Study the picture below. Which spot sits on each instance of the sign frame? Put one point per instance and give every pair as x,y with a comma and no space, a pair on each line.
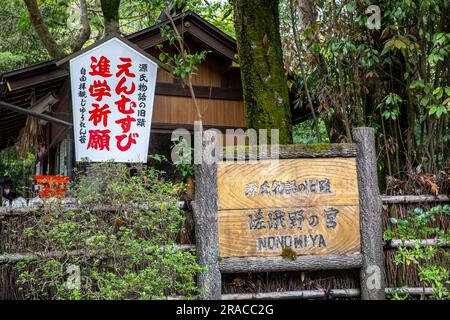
370,261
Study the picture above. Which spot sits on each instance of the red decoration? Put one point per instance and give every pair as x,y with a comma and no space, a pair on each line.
52,186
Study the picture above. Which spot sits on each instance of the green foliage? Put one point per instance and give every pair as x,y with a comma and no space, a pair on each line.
303,132
394,79
398,294
217,12
185,156
390,106
19,169
417,227
20,46
182,63
127,227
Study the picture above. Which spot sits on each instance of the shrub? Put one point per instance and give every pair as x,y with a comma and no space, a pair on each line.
418,227
126,228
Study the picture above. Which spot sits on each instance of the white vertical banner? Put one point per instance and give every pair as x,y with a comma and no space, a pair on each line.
113,88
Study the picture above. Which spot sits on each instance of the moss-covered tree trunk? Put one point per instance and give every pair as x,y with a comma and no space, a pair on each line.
110,9
266,94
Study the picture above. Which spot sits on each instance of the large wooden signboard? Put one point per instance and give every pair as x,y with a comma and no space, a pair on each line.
309,205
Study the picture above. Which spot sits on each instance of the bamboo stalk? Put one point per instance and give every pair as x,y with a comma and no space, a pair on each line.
22,211
16,257
315,294
415,198
395,243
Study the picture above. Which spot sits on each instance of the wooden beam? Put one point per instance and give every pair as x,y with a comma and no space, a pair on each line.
174,89
206,228
294,151
16,257
279,264
31,113
303,294
27,210
211,42
372,273
37,79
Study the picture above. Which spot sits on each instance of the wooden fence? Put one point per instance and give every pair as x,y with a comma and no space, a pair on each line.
375,251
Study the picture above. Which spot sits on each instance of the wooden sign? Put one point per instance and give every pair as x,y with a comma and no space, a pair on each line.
308,205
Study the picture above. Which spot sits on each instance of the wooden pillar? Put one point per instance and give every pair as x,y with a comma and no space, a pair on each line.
206,228
372,272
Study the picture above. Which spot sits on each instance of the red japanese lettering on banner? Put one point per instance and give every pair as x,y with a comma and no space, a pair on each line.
128,143
99,114
125,68
121,88
122,105
99,139
99,89
100,67
125,123
125,105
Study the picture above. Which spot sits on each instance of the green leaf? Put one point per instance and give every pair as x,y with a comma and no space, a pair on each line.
416,84
438,92
399,44
447,91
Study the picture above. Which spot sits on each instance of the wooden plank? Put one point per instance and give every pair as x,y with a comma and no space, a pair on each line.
279,264
321,181
47,76
303,229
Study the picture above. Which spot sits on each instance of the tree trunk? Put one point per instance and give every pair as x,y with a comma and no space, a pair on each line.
52,47
110,9
266,94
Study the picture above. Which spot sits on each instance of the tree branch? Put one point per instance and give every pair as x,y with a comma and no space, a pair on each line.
85,31
53,49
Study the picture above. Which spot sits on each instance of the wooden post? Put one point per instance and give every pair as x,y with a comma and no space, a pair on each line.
206,229
372,272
